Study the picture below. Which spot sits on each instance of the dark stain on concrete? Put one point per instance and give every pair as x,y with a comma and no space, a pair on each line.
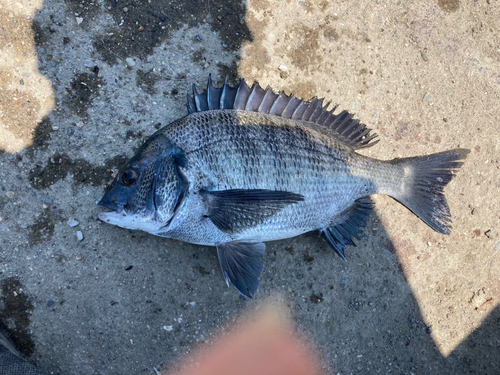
230,71
308,259
42,34
305,53
197,57
316,298
43,228
201,270
147,80
42,134
80,91
15,311
449,5
60,165
146,25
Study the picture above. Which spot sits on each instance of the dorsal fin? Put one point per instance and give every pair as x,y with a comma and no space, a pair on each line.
255,99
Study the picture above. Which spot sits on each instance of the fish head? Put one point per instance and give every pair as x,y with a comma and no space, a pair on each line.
147,191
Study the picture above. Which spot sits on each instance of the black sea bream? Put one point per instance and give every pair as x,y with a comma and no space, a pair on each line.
248,166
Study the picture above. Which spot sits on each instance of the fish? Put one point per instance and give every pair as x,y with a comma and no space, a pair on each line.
248,165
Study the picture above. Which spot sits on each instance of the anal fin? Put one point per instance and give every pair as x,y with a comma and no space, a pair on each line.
241,263
351,220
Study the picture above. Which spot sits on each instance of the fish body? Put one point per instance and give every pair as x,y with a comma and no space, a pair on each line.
248,166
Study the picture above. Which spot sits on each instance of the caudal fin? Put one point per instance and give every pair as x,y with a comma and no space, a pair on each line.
425,179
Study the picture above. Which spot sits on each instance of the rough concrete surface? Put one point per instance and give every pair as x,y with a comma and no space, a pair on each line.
83,83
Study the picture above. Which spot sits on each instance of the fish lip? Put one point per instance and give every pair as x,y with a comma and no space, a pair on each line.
111,206
103,216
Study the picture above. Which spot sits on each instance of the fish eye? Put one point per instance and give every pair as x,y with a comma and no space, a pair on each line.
129,177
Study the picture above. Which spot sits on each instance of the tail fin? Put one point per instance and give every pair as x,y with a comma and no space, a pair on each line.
426,178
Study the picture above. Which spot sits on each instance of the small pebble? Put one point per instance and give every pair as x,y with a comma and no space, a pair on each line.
1,219
125,10
198,38
79,20
130,62
167,328
283,68
429,244
428,97
10,194
424,56
79,235
89,63
50,303
224,45
141,28
80,124
79,256
73,223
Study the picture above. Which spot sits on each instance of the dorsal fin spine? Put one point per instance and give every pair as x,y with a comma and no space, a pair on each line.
317,112
223,94
273,109
324,116
191,105
350,126
209,91
264,107
255,99
250,98
196,98
290,107
298,111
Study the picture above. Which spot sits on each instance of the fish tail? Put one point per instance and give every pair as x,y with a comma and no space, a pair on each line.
423,184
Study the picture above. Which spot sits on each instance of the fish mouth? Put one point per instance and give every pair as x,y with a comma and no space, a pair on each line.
112,207
115,214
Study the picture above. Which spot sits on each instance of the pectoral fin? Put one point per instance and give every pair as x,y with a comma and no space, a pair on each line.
242,264
235,210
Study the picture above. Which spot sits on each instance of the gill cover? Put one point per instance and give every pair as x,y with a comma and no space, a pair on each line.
151,185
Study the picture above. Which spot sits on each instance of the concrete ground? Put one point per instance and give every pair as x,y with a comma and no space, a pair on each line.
83,83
